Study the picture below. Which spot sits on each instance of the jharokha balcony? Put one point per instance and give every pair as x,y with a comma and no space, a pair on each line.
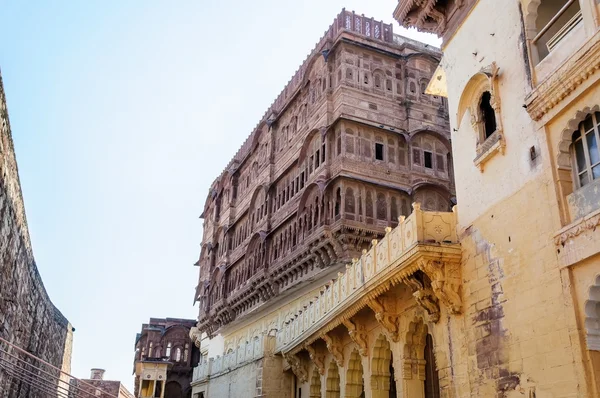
420,258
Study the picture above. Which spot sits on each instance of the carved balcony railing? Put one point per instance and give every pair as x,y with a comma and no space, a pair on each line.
243,354
424,241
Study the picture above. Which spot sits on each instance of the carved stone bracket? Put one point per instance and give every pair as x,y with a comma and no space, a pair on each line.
317,359
334,346
445,281
358,334
297,368
388,320
425,298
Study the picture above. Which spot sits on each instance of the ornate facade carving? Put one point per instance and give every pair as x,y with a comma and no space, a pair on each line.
445,281
316,358
425,298
297,367
337,184
359,336
387,319
335,348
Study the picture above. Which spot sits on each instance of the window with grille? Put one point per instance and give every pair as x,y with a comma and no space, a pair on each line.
585,150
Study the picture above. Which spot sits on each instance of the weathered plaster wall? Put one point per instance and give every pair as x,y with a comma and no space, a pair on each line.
28,318
520,328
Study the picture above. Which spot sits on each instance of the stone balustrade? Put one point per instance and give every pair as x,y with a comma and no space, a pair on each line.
393,251
248,352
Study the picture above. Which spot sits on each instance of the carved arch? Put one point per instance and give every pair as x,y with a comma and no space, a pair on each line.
471,95
414,350
332,387
309,140
592,316
317,187
440,136
315,384
380,365
354,376
563,156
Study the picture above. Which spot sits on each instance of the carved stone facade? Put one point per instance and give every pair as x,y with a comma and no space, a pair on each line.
28,319
347,147
165,343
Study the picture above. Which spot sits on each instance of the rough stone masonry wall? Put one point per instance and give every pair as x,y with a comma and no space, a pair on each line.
28,319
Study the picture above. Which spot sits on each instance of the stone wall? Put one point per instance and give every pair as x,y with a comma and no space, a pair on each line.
28,319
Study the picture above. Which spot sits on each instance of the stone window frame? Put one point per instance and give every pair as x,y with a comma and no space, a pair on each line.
589,165
484,81
565,170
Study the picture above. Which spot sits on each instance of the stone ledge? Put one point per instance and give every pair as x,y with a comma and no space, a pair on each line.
565,79
578,240
493,144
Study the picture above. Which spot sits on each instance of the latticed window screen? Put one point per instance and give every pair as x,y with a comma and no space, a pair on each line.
585,150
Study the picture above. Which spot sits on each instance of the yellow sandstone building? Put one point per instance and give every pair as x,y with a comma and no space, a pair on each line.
499,297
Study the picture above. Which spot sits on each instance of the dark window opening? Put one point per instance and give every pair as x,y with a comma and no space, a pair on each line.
432,381
488,115
428,159
378,151
393,393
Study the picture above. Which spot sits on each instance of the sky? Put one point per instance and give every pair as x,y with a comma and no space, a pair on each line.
123,113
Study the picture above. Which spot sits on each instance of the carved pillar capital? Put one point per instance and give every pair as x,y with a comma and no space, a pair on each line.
387,319
316,358
297,367
334,346
445,281
358,334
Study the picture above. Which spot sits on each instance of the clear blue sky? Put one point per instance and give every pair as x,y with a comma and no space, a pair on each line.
123,112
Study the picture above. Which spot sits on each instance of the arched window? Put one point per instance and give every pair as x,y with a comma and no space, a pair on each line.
168,352
412,88
585,150
178,354
150,350
487,113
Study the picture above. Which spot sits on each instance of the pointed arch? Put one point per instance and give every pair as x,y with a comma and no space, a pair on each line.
354,376
315,384
381,364
332,388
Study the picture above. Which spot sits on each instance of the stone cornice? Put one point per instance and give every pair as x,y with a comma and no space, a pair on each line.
588,223
570,75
